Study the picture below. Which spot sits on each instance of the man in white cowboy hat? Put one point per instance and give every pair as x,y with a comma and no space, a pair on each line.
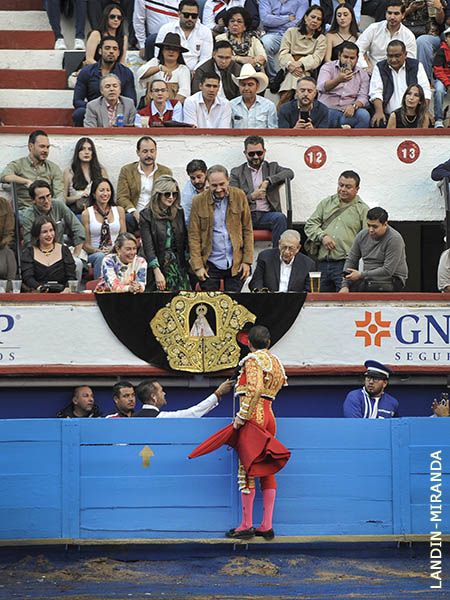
250,111
372,401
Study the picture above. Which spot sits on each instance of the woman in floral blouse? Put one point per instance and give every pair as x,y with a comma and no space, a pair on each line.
123,271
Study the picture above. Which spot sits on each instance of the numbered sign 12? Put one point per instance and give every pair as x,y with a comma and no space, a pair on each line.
315,157
408,151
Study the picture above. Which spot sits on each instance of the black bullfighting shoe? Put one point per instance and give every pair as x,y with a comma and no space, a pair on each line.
267,535
244,534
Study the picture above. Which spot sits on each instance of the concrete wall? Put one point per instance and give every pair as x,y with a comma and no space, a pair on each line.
405,190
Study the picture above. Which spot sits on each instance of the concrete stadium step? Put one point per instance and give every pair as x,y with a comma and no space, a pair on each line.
21,5
20,59
37,117
50,79
31,21
17,98
31,40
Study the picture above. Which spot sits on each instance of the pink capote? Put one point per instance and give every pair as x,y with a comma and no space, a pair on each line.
259,451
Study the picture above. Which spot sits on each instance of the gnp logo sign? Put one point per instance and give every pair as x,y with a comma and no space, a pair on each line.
413,336
6,324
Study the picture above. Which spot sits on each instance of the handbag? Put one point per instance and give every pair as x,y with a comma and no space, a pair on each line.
311,247
51,287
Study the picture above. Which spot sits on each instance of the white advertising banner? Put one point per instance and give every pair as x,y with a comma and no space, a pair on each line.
407,334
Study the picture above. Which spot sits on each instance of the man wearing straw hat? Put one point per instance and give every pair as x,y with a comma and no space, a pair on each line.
250,111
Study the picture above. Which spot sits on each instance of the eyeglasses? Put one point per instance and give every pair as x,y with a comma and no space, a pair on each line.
170,195
190,15
159,90
256,153
118,17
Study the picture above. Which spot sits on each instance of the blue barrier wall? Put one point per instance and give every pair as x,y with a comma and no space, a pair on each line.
85,479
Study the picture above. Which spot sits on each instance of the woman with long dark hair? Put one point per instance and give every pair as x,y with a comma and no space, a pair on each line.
78,178
413,111
164,236
302,50
46,260
344,28
112,23
102,221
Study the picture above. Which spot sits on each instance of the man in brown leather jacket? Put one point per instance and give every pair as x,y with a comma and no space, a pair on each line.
221,234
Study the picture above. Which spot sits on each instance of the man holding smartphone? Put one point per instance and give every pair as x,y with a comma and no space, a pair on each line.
305,111
344,88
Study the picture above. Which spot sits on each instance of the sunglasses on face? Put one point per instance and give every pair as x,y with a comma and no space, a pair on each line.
190,15
170,195
118,17
256,153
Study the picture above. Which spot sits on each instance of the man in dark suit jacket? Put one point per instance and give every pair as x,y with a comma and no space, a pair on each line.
261,180
283,269
223,64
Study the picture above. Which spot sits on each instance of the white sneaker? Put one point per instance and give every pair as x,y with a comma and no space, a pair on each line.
79,44
438,123
60,44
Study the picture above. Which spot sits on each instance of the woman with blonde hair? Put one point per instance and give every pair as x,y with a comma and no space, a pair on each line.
164,236
122,270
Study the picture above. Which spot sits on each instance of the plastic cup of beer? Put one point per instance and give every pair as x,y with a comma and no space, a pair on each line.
144,121
3,284
73,286
16,285
314,277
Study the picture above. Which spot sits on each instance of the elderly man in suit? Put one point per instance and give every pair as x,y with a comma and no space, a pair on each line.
107,110
283,269
135,183
260,180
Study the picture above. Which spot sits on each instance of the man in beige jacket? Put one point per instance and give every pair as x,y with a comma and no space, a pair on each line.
221,234
135,183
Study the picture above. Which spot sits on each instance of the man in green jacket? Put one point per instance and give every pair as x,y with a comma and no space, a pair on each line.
334,224
135,183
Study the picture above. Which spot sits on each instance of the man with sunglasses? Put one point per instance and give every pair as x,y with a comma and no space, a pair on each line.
197,38
371,401
261,180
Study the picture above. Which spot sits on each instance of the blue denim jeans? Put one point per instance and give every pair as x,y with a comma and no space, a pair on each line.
96,260
231,283
439,94
426,47
53,8
360,120
276,222
271,43
331,275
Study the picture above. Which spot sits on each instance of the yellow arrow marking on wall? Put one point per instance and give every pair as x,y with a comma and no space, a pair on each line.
146,452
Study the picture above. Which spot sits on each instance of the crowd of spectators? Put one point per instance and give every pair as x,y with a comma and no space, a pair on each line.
155,235
216,72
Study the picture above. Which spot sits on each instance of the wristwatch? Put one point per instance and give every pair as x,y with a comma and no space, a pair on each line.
355,106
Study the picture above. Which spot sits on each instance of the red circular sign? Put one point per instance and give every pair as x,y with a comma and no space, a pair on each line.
408,151
315,157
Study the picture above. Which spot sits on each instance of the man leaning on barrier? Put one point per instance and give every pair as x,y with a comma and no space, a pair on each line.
153,397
